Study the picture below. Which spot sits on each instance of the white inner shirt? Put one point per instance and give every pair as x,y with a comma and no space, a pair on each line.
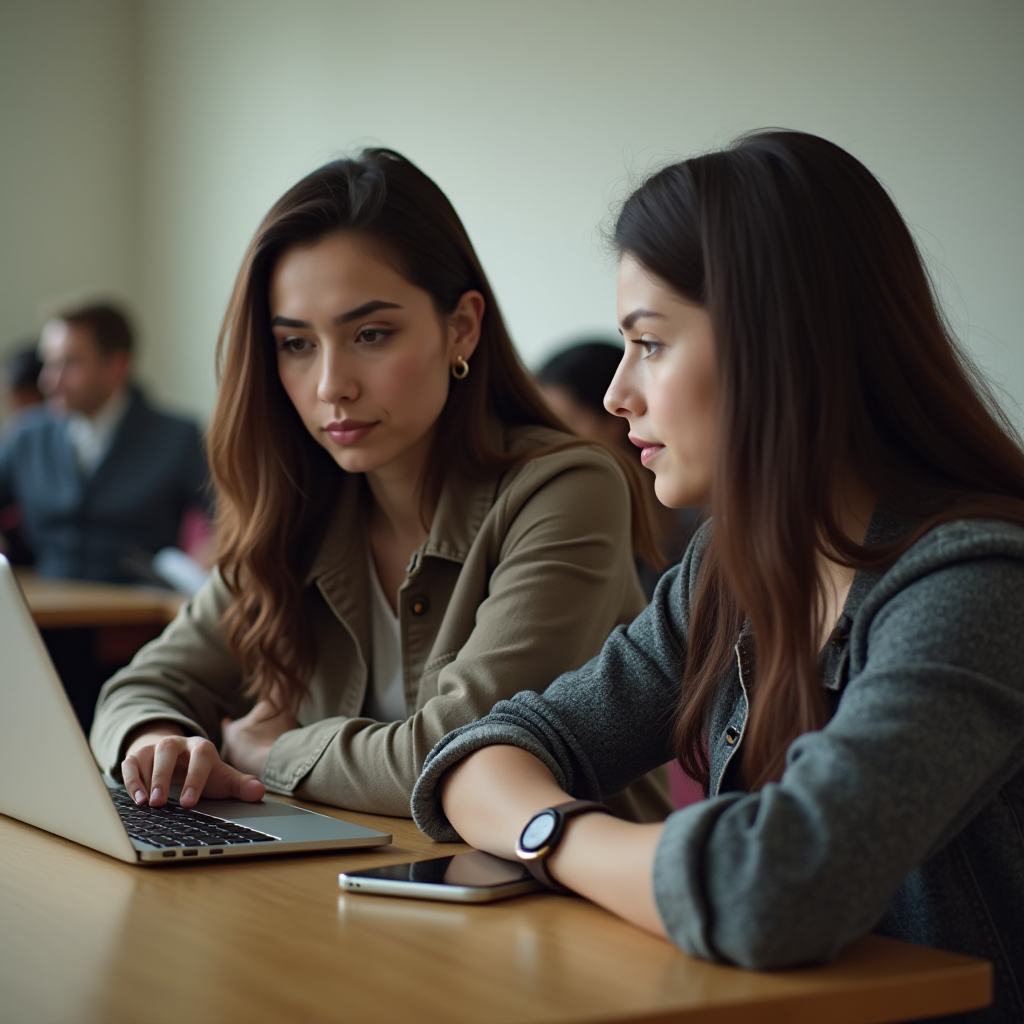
385,698
92,436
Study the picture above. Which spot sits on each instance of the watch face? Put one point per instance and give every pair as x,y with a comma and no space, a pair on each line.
538,832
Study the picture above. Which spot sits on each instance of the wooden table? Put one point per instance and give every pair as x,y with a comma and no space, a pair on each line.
84,938
64,604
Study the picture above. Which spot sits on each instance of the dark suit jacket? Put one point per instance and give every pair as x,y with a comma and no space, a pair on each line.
131,507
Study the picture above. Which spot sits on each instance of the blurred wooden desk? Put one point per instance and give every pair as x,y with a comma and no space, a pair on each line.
64,604
92,629
87,939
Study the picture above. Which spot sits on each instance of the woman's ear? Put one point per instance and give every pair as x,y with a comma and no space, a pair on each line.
464,325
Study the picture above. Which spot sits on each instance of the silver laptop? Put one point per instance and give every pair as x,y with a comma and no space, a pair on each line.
48,777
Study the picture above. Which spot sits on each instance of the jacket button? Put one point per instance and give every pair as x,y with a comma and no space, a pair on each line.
732,734
419,606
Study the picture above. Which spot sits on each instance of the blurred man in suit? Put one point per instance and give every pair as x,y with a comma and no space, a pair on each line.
101,477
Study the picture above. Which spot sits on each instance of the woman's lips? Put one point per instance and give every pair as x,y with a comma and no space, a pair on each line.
345,432
648,449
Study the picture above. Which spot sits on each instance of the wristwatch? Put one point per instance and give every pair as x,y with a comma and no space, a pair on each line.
544,832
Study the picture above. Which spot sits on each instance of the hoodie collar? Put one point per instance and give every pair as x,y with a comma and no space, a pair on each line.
884,528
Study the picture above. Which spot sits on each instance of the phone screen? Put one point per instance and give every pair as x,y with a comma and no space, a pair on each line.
474,870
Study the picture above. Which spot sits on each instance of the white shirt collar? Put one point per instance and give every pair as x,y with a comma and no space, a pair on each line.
91,436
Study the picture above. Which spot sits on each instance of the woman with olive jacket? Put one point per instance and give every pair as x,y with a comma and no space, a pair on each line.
407,535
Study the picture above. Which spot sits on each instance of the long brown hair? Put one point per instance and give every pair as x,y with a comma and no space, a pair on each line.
276,485
833,358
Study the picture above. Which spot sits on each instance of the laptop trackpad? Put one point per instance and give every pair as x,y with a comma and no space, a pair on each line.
292,824
239,810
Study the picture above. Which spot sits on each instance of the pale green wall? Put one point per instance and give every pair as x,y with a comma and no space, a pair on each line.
68,156
533,116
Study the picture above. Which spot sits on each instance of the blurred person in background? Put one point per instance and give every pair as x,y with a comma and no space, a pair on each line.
102,478
20,392
574,382
21,381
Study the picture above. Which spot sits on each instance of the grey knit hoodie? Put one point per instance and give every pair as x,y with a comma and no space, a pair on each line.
903,816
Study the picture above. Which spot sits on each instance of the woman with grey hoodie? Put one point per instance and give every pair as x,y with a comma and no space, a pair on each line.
838,657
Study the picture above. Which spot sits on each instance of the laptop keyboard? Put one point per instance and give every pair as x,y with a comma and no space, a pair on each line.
173,825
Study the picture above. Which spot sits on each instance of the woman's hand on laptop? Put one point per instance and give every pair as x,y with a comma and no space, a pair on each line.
159,754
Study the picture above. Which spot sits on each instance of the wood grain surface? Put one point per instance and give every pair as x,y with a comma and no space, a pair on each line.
84,938
62,604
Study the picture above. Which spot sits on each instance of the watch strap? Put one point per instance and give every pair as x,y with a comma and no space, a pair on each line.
536,864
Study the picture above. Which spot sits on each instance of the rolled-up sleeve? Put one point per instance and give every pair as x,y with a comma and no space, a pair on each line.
926,732
929,727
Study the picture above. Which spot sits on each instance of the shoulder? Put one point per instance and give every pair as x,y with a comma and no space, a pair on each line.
956,596
546,454
975,547
577,489
532,437
32,427
39,417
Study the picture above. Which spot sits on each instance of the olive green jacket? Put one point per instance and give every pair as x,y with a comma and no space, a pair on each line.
520,579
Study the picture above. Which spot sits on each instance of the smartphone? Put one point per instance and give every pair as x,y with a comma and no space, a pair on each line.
474,877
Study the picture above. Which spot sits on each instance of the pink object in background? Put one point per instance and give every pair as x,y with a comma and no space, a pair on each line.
10,518
684,790
195,536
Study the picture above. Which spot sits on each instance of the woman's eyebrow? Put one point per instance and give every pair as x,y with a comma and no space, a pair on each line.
630,319
366,308
342,318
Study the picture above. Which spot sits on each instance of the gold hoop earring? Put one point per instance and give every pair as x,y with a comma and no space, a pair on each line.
460,369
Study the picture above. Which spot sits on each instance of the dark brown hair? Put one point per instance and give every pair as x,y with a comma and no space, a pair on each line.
833,358
108,326
276,485
585,370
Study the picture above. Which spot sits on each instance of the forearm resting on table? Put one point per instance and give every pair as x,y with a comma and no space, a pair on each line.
491,795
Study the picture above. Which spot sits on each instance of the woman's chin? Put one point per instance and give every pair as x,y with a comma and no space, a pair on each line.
679,494
355,462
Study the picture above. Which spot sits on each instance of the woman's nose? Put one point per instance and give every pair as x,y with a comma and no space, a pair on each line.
623,397
336,383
